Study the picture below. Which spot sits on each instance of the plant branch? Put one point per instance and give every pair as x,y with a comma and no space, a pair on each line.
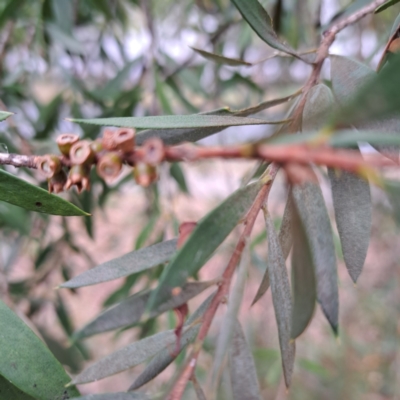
18,160
328,38
223,290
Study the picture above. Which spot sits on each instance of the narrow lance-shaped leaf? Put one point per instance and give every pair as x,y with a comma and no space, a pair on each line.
175,136
351,194
311,208
130,310
198,390
303,279
364,106
230,318
27,362
209,233
16,191
233,62
128,264
259,20
285,241
242,369
347,77
353,212
386,5
176,121
281,298
128,357
165,357
4,115
392,44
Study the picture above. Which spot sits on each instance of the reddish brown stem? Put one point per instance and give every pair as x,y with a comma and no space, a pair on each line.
223,289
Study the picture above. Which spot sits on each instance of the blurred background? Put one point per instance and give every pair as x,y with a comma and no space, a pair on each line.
103,58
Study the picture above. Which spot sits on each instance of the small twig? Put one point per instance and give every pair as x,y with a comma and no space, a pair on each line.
223,290
323,52
18,160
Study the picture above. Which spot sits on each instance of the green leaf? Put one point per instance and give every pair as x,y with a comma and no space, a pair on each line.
65,39
165,357
176,172
314,216
233,62
21,193
386,5
242,369
175,136
347,77
303,279
209,233
319,105
130,310
351,196
353,212
175,121
129,356
130,263
4,115
281,298
376,99
114,396
285,242
28,363
259,20
9,392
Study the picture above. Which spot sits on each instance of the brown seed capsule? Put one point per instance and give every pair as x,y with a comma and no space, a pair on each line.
144,174
108,140
78,176
154,151
49,165
124,139
82,153
57,182
109,166
65,142
97,146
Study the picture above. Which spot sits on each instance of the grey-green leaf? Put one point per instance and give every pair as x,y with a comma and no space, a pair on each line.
28,363
353,212
376,99
281,298
347,77
259,20
128,357
242,369
175,136
130,310
209,233
4,115
128,264
285,241
16,191
233,62
176,121
314,216
303,279
166,356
